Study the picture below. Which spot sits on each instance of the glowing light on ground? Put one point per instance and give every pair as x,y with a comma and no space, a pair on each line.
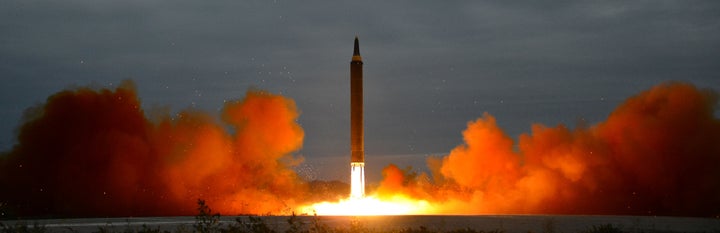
370,205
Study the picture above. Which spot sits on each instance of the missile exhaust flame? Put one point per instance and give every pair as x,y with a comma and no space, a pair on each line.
371,205
357,180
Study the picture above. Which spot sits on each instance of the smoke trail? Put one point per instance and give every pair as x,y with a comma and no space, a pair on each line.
656,154
92,152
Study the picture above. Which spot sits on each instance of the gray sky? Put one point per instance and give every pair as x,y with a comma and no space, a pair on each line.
430,66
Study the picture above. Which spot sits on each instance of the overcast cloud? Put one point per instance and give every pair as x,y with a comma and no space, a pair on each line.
430,66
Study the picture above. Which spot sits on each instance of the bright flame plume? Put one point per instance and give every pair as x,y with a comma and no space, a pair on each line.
357,180
371,205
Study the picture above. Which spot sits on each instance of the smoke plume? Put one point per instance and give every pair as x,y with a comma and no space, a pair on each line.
658,153
89,152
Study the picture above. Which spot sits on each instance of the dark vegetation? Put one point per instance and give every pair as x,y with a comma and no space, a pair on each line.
207,221
22,228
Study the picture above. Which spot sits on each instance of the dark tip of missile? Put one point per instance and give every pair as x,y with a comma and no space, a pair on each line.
356,51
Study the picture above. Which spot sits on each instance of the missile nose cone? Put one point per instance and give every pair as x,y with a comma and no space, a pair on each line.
356,51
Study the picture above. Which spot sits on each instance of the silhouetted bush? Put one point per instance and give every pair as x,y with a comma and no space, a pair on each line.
256,224
606,228
22,228
549,226
295,225
317,227
421,229
206,221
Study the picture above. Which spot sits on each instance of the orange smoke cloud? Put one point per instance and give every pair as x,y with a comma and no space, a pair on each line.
92,152
656,154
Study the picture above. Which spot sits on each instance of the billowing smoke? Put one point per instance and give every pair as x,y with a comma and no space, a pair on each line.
89,152
657,154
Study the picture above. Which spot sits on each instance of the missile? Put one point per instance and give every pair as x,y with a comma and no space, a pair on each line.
357,141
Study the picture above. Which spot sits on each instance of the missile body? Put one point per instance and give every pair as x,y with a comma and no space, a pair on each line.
356,107
357,144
